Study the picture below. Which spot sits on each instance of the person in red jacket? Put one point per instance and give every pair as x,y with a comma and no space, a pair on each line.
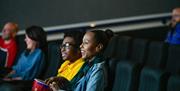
8,43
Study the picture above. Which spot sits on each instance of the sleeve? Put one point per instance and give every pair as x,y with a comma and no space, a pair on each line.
96,81
12,51
1,41
168,37
178,28
18,67
178,32
31,72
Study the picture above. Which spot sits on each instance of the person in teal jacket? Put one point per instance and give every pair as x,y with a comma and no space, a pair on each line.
32,60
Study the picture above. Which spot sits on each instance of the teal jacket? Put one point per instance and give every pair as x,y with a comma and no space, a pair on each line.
29,66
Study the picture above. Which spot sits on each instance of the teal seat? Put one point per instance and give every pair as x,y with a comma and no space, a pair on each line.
174,83
157,54
152,80
173,62
118,47
126,77
54,59
138,51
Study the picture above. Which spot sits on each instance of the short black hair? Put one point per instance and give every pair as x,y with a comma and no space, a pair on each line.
77,35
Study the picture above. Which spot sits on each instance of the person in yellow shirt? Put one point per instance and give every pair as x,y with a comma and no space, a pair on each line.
69,69
70,52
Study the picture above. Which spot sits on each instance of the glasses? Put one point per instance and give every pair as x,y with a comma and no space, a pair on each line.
66,46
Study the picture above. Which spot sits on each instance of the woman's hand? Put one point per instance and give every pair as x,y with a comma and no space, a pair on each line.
10,79
7,79
57,83
17,78
54,86
10,73
50,80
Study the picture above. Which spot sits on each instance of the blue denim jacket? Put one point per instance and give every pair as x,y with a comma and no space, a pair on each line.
95,79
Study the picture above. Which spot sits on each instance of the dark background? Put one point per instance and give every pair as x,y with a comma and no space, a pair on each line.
59,12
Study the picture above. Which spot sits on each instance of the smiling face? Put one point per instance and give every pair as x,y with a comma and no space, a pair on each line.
31,44
67,49
89,47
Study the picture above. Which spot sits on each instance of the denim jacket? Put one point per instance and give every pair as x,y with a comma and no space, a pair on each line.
95,78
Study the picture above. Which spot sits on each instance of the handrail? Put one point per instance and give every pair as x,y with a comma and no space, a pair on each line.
108,22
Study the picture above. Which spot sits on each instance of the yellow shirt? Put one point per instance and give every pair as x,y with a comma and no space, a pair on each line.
69,70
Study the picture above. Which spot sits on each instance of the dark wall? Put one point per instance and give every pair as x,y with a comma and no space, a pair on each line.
58,12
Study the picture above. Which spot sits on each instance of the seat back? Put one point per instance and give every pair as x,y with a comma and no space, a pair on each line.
174,83
157,54
173,61
54,59
152,80
139,50
111,63
126,77
118,47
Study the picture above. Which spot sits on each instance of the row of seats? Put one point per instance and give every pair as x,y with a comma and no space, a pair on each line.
142,65
134,64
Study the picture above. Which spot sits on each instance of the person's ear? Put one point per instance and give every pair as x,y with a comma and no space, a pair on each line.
99,47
